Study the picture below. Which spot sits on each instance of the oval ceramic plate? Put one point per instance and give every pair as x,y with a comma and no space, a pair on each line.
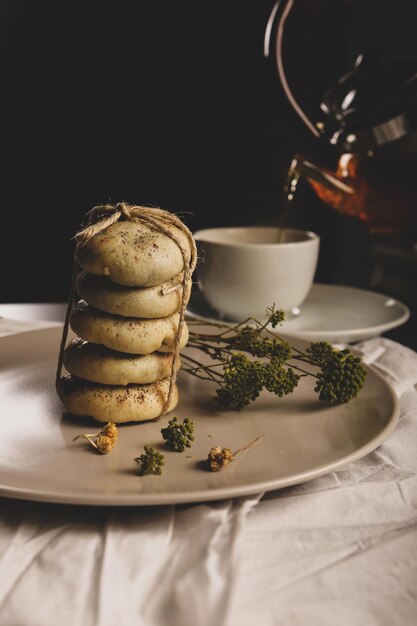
303,438
330,313
34,312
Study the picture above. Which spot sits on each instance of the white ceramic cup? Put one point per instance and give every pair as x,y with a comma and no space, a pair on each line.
243,270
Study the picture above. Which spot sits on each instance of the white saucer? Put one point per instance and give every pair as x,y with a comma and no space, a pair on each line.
330,313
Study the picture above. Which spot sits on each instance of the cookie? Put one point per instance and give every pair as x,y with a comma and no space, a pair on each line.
101,365
135,403
126,334
146,302
134,254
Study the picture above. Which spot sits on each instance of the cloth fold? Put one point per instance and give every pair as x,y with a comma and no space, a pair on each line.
342,548
159,566
398,363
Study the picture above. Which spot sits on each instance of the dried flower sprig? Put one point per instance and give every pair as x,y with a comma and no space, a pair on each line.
277,366
219,457
151,462
103,441
178,436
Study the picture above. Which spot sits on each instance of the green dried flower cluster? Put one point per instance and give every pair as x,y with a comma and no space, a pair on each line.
178,436
320,351
341,375
277,366
275,316
250,340
244,379
151,462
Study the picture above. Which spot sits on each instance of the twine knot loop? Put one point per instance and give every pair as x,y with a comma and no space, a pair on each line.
124,210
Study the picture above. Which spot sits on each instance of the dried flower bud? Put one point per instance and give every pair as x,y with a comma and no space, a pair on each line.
106,439
218,458
110,430
104,443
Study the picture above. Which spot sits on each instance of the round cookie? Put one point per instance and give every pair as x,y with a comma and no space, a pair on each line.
126,334
97,364
134,254
146,302
135,403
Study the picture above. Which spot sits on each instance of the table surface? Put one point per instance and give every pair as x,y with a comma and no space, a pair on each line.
339,549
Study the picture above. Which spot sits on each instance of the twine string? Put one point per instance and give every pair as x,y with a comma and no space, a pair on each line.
101,217
75,270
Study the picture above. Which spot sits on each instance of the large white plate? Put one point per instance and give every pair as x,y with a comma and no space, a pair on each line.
303,438
330,313
34,311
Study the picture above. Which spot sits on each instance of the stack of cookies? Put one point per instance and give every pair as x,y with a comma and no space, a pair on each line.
126,323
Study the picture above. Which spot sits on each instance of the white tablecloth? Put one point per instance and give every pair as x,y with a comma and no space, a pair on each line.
341,549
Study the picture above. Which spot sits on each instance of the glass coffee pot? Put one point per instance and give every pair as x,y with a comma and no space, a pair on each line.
370,118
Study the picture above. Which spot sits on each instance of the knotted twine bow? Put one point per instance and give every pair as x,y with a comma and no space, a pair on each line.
101,217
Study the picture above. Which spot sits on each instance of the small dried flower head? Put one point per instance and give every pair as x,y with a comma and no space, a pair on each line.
275,316
219,457
151,462
178,436
105,440
110,430
341,374
104,443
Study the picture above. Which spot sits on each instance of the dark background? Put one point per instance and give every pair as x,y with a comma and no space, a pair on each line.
174,104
